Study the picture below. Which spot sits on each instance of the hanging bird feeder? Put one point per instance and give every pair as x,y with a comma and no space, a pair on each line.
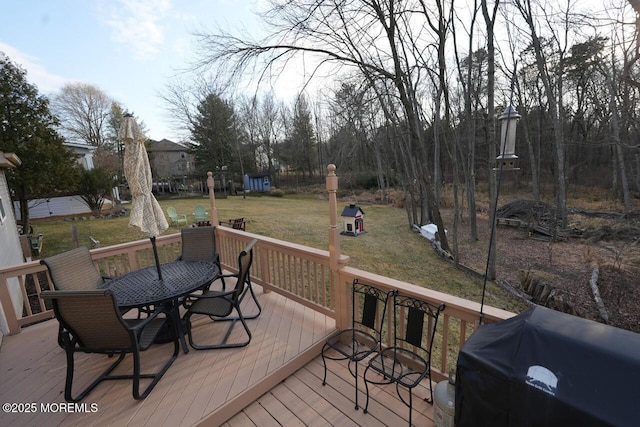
507,160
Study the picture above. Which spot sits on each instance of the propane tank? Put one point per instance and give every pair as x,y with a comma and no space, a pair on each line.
444,398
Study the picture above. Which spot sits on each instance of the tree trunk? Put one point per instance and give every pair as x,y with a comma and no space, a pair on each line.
637,172
533,164
615,133
593,284
555,110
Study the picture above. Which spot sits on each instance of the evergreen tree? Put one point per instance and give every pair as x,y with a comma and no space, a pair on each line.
27,128
214,135
299,149
94,186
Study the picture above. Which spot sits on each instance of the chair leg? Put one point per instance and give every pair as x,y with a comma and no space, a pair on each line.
158,375
68,395
324,363
428,378
255,299
356,384
223,343
69,381
366,387
249,288
410,405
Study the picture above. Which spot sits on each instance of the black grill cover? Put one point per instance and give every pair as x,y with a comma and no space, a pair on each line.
546,368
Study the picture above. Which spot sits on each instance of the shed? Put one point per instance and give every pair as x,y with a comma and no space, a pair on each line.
547,368
260,182
353,219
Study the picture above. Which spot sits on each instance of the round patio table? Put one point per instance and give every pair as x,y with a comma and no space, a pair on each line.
142,287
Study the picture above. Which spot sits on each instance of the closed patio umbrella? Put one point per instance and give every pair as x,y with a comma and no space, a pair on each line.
146,213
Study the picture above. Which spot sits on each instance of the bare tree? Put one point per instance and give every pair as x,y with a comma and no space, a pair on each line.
183,96
468,118
83,111
269,130
370,37
552,79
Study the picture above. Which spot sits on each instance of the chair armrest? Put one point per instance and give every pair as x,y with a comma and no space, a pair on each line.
212,294
144,322
49,294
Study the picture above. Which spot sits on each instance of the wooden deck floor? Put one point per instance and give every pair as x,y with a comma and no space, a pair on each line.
301,400
203,387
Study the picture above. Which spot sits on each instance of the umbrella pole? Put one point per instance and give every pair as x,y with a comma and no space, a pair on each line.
212,200
155,255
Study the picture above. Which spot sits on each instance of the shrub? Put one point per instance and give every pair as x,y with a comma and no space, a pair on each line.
367,181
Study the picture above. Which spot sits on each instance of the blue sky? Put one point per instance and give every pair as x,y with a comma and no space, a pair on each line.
129,49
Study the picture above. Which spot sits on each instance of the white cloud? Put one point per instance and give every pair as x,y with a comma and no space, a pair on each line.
36,73
135,23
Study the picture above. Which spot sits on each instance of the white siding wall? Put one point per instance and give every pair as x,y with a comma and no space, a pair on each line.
10,251
57,206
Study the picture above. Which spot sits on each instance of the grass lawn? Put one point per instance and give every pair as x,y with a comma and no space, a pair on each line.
389,247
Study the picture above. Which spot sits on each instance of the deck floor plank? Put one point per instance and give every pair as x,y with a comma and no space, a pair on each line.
33,369
277,411
260,414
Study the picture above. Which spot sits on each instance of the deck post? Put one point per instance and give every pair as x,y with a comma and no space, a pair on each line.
212,200
334,234
6,303
337,291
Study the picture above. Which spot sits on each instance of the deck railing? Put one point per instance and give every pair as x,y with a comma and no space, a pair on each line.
298,272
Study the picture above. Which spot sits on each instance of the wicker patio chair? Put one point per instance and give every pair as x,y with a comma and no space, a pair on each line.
175,218
219,305
408,361
364,338
91,323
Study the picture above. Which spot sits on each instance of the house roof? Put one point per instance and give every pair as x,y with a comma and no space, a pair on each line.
165,145
351,210
9,160
257,175
79,148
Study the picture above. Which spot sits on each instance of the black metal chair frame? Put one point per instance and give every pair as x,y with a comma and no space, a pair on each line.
364,338
91,323
219,305
247,288
408,361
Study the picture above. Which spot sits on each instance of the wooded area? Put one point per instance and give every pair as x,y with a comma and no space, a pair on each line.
411,91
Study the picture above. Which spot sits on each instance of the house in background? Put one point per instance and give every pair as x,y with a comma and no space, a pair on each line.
170,163
84,153
260,182
65,205
353,219
11,253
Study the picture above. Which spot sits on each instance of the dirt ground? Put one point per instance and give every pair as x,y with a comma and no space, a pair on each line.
602,238
565,266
